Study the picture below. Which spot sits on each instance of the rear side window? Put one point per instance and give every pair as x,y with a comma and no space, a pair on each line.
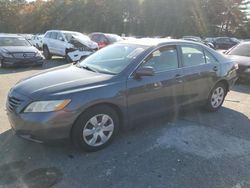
223,40
220,40
163,59
192,56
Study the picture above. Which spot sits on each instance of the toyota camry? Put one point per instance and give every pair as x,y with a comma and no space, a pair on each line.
89,102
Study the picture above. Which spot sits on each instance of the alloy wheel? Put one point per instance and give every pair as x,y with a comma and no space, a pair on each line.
98,130
217,97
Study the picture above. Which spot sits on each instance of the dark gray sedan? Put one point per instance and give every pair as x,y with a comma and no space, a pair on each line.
17,51
90,101
241,55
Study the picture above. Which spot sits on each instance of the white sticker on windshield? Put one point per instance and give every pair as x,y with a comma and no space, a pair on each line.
135,53
157,53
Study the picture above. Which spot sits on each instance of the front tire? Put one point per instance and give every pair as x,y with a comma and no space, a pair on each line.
216,97
68,59
95,129
46,53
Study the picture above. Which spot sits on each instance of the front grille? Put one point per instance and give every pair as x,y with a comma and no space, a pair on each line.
24,55
13,103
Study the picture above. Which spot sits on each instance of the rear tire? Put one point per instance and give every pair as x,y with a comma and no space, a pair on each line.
216,97
95,128
46,53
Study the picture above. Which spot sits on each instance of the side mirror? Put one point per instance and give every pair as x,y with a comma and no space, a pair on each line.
144,71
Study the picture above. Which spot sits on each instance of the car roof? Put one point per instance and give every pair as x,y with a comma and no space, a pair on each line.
64,31
100,33
191,37
10,35
157,42
222,37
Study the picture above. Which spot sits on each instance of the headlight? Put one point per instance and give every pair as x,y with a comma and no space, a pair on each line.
6,54
47,106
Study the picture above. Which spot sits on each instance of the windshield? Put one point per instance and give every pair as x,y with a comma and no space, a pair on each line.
69,36
240,50
113,59
13,41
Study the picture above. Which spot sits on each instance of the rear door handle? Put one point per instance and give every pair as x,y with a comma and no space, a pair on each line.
215,68
178,78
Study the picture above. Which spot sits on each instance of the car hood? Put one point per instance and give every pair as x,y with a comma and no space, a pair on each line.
87,42
241,60
60,81
12,49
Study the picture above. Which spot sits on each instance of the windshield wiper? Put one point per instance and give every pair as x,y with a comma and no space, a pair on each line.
88,68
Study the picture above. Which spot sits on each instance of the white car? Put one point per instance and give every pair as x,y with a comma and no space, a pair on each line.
37,41
63,43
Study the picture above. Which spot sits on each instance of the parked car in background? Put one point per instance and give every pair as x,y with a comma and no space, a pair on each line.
198,39
104,39
209,39
17,51
61,43
192,38
225,42
37,41
116,86
241,55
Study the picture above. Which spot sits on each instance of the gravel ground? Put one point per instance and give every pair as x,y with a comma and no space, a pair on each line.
194,149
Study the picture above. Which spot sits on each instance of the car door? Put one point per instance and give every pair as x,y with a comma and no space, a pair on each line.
200,70
52,43
60,44
151,95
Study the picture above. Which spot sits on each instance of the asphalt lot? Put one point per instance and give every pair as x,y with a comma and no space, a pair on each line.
192,149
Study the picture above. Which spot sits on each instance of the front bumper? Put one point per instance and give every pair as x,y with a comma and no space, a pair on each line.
14,62
42,127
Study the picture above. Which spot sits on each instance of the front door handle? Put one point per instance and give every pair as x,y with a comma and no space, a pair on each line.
215,68
157,85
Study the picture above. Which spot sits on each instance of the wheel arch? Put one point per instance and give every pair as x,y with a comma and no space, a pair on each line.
223,81
115,107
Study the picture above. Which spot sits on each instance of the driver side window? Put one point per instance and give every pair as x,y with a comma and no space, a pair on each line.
163,59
